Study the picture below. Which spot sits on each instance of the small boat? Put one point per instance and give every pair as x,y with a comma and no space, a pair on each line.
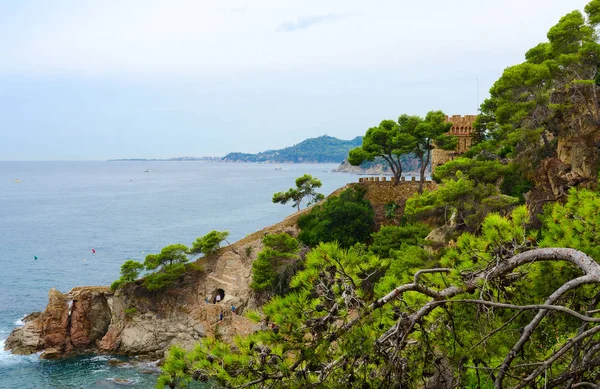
16,181
278,168
146,171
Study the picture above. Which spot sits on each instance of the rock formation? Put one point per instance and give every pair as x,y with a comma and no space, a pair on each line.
134,321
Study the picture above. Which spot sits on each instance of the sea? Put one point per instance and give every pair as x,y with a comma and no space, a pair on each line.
82,220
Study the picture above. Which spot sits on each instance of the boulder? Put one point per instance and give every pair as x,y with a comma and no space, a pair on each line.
25,340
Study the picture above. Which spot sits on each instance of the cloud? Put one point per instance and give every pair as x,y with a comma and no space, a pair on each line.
306,22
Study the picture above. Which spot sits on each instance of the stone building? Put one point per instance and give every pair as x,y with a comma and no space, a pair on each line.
462,128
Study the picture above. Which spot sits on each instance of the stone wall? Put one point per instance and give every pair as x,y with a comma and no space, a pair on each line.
381,192
462,128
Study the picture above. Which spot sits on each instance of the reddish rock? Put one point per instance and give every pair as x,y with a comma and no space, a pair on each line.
90,317
55,322
111,341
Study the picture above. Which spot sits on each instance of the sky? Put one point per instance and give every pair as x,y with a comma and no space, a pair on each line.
95,80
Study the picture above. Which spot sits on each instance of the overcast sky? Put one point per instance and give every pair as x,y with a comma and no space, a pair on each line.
100,79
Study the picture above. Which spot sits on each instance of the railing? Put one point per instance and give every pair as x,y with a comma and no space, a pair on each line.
385,179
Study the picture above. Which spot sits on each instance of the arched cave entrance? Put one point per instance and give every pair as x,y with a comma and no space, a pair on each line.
218,292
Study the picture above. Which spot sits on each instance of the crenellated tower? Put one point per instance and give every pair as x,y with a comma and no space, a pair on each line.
462,128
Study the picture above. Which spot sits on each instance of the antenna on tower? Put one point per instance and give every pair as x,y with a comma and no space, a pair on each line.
477,108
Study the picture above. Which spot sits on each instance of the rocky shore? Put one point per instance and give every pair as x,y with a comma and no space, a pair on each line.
134,321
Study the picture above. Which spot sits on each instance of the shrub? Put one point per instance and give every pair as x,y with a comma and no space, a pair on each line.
280,253
390,209
116,285
395,237
165,278
347,219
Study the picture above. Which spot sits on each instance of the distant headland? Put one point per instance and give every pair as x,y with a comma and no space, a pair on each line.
323,149
205,159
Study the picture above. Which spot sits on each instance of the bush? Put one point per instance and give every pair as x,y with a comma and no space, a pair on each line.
347,219
515,184
165,278
130,271
280,253
390,209
116,285
395,237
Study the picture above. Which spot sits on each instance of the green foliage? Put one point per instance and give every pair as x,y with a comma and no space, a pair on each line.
575,224
552,95
164,278
208,243
168,265
305,188
391,141
116,284
480,172
395,237
174,370
461,203
175,253
347,219
388,141
355,319
129,312
508,176
324,149
390,210
514,183
268,270
336,312
130,270
592,9
428,133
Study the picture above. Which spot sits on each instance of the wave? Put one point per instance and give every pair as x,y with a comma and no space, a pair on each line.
20,322
8,358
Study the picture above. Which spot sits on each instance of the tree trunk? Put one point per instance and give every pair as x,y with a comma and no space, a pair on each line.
423,167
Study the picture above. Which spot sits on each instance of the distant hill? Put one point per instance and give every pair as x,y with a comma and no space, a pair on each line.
324,149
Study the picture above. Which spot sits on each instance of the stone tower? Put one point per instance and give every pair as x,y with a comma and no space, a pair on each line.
462,128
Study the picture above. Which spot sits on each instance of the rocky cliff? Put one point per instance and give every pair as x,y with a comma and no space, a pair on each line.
134,321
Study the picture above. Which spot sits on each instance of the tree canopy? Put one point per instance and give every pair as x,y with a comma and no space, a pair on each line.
391,141
428,133
388,141
550,97
208,243
305,188
347,219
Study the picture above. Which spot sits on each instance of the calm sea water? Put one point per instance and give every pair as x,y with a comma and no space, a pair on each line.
59,211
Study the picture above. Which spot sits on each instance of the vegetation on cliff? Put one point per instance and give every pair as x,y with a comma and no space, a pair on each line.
346,219
305,188
171,263
510,299
275,264
324,149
